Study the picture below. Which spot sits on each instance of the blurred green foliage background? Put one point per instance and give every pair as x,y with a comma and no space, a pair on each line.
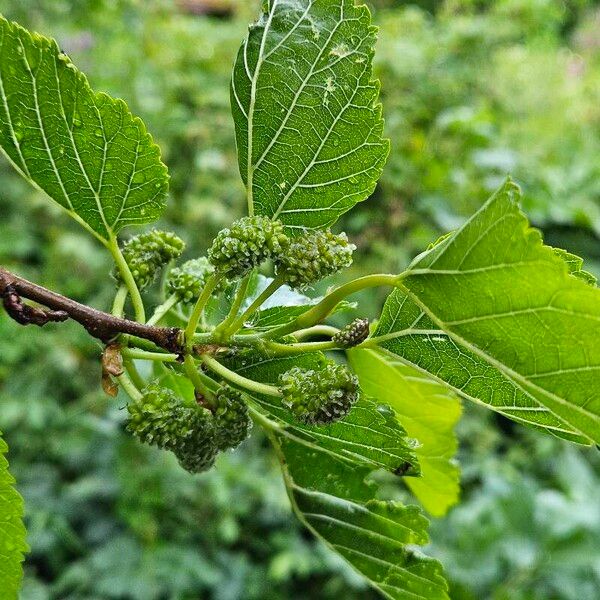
472,90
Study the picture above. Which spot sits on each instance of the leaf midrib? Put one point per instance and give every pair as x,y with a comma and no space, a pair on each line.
23,167
8,114
34,81
290,485
254,82
463,394
251,168
519,380
394,567
42,126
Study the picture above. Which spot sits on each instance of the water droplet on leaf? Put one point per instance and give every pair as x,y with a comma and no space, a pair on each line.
385,410
18,129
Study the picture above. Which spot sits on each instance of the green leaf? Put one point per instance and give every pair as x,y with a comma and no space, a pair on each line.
325,471
575,266
85,150
498,316
369,435
407,332
377,538
429,411
168,378
12,531
307,118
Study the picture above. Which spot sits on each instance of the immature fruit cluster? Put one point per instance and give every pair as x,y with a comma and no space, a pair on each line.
246,244
187,281
199,452
300,261
232,419
353,334
146,253
160,418
314,256
319,397
193,433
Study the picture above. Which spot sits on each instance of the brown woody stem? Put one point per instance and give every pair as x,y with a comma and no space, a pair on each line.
97,323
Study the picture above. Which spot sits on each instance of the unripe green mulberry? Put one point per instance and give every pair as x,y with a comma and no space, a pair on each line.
146,253
353,334
232,419
199,452
312,257
246,244
187,281
160,418
319,397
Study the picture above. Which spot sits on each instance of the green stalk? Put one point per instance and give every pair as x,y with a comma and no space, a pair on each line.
262,420
327,330
204,338
192,325
118,306
124,380
256,304
375,341
240,295
128,280
133,372
249,384
136,354
140,343
191,370
129,387
163,309
283,349
164,277
251,339
321,311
